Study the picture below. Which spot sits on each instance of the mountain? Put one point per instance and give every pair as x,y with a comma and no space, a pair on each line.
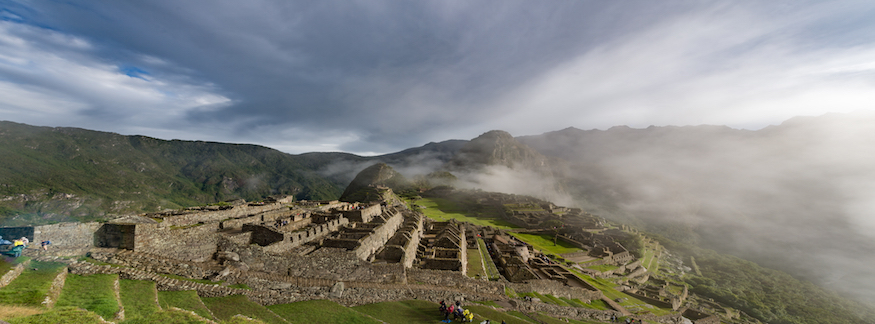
369,184
52,174
496,161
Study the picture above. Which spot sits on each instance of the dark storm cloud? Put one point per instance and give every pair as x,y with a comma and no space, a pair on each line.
379,76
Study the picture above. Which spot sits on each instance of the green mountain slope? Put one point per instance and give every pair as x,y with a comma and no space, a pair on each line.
52,174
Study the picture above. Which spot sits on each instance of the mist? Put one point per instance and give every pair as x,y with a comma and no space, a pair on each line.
795,197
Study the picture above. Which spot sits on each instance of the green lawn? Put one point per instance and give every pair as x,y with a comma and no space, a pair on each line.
226,307
546,319
31,287
168,317
484,312
403,312
138,298
443,210
489,265
650,260
544,243
607,288
475,264
60,315
603,267
93,292
320,311
187,299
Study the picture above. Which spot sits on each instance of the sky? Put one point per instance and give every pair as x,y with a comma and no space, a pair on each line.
372,77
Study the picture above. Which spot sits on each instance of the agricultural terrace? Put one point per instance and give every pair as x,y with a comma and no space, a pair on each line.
442,210
544,243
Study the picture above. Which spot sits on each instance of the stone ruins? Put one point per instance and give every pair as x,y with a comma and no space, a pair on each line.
353,253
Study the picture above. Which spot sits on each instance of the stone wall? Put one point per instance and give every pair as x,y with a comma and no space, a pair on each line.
378,236
213,216
195,243
72,238
13,273
363,214
14,233
279,242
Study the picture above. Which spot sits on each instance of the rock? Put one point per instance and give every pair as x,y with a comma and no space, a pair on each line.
239,266
337,290
227,256
280,286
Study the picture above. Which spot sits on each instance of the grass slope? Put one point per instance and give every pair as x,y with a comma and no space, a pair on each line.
94,293
403,312
60,315
225,308
443,210
31,287
545,243
320,311
187,299
138,298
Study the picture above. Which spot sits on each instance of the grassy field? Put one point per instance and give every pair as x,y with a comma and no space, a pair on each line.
60,315
31,287
551,320
167,316
403,312
138,298
608,289
187,300
489,265
93,293
603,267
443,210
226,307
475,264
545,243
650,260
319,312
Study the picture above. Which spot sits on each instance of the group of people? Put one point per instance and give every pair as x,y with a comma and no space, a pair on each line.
18,245
464,315
281,222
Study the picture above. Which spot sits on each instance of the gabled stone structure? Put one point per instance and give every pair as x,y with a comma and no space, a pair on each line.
444,247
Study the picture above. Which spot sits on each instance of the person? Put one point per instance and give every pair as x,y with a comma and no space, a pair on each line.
487,322
45,244
447,314
469,316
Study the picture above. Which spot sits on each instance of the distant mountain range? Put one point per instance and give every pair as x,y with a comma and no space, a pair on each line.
795,196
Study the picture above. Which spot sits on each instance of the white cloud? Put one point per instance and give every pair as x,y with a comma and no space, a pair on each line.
47,77
726,66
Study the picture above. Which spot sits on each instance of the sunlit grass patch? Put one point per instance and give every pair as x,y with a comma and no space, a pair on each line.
31,287
443,210
489,265
94,293
320,311
138,298
12,311
545,244
475,264
404,312
187,299
168,317
60,315
224,308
